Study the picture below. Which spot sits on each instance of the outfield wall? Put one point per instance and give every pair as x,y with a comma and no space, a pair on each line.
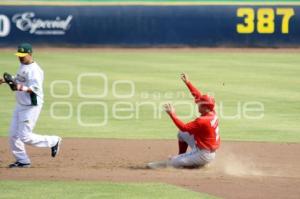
152,25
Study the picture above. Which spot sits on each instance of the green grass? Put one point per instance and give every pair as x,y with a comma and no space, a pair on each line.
168,0
92,190
265,77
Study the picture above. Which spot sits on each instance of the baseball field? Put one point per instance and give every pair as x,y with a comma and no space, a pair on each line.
107,106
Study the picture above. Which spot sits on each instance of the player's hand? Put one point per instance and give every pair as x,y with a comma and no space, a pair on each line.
184,78
1,80
169,109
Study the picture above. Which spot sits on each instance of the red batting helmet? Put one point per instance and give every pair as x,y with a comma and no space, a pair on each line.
206,100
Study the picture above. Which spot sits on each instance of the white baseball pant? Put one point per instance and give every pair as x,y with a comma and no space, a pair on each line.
22,125
194,158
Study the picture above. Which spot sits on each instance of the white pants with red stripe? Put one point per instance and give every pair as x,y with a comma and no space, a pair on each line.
22,124
194,158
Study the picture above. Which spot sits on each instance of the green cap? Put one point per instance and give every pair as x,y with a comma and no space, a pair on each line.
24,49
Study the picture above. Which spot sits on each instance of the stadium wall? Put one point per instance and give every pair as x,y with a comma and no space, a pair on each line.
151,25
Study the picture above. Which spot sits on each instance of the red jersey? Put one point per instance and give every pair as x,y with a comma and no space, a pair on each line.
205,128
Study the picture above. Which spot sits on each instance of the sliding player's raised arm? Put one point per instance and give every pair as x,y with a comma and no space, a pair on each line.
188,127
194,91
180,125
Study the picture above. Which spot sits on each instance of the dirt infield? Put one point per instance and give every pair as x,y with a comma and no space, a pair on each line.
241,170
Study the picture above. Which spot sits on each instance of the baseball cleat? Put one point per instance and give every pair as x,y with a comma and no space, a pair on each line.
19,165
158,164
55,149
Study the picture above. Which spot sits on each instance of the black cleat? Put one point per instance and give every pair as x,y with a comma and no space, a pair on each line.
55,149
19,165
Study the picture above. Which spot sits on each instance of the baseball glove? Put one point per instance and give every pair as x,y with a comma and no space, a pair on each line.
10,80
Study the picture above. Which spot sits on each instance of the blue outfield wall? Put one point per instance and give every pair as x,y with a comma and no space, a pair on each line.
144,25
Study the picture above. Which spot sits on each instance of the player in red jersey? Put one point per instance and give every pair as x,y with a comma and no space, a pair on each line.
202,134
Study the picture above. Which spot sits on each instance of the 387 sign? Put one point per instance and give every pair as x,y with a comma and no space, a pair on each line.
263,20
4,25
